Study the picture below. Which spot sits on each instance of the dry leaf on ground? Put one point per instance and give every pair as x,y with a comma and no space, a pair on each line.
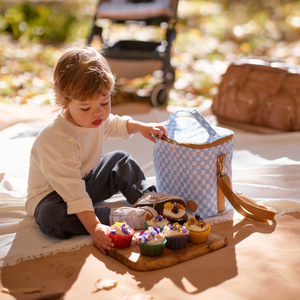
137,297
22,290
105,284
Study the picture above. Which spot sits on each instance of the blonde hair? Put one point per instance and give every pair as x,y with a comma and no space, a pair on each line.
81,74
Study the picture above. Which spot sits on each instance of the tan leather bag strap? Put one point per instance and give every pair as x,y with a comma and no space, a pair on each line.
244,205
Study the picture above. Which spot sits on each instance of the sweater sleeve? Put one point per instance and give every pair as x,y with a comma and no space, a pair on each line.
116,126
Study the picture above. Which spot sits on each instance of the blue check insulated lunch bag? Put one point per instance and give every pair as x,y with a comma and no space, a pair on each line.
188,161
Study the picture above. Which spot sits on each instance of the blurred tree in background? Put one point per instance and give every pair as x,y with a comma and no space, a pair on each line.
46,21
210,35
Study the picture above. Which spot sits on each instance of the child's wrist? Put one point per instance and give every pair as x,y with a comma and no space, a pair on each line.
94,227
133,126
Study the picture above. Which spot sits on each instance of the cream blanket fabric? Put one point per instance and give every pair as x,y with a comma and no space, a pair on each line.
265,167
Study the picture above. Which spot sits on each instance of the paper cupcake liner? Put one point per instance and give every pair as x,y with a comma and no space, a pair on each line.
152,250
121,241
177,242
199,237
181,221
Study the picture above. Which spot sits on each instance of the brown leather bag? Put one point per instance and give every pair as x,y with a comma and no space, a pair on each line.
260,92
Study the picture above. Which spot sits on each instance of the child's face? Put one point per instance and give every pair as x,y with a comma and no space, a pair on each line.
90,114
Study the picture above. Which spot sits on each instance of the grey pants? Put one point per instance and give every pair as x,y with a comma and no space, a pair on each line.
117,172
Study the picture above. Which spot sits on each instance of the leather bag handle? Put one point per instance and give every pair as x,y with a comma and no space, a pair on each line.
244,205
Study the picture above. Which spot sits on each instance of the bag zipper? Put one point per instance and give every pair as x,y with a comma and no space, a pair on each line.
197,146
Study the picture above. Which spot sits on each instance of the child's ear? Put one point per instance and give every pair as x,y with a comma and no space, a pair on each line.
67,102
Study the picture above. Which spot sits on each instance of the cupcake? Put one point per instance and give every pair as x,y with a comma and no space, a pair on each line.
151,242
121,234
176,236
199,230
158,221
175,212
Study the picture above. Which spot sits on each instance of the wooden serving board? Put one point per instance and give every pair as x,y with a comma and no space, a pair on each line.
132,258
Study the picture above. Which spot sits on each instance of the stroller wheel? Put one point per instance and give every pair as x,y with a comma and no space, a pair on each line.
160,95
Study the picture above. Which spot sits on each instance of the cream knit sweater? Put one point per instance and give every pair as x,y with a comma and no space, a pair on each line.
62,155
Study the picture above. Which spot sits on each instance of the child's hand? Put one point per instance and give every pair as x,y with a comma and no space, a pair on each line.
97,230
100,238
148,130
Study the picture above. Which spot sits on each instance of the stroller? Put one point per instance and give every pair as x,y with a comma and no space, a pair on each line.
139,57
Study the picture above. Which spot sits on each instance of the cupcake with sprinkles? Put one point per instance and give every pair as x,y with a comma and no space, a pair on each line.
176,236
199,229
151,242
159,221
175,212
121,234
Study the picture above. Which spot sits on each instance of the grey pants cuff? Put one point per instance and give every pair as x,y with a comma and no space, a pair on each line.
103,214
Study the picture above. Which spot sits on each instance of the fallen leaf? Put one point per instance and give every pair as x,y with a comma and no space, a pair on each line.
22,290
137,297
105,284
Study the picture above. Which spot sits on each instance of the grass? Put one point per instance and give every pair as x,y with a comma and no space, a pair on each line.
210,35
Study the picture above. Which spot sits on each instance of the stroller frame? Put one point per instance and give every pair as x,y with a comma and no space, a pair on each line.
150,53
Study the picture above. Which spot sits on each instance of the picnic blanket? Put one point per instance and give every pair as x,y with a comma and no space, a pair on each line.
266,167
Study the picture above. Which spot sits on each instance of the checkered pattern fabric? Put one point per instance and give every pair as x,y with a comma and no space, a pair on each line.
192,173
